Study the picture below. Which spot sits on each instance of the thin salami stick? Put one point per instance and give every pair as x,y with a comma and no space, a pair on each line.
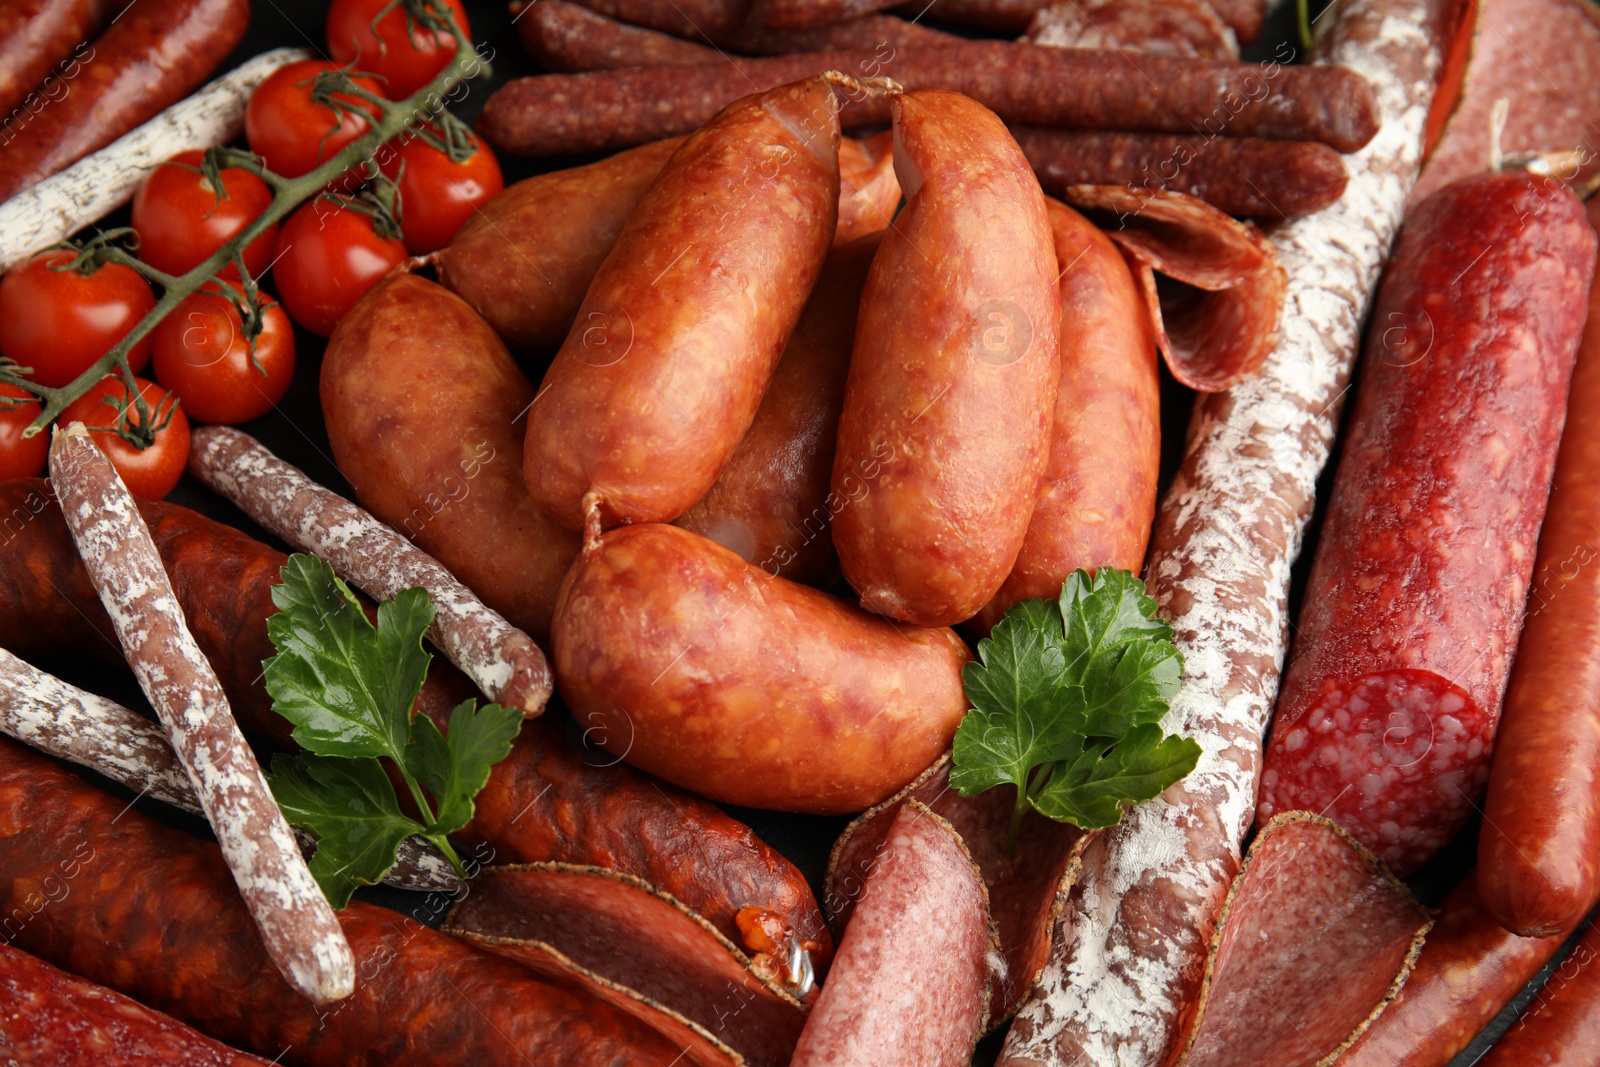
41,710
297,926
1244,176
809,14
869,33
551,114
570,37
98,184
500,659
1225,538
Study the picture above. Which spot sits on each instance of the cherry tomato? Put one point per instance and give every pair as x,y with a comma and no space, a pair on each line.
20,458
294,133
181,220
408,60
202,355
150,472
436,195
329,255
59,321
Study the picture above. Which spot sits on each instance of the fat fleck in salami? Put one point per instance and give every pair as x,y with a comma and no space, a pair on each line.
297,926
500,659
1133,945
1416,597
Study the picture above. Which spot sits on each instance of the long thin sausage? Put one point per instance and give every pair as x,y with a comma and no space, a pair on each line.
38,35
683,18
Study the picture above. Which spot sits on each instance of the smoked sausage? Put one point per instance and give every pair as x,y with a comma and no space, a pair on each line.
682,328
748,689
36,36
1099,493
950,404
1389,704
1561,1027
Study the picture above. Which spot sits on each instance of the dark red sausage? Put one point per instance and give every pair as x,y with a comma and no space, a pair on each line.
683,18
110,894
1389,705
807,14
153,55
36,36
570,37
1561,1026
880,34
546,801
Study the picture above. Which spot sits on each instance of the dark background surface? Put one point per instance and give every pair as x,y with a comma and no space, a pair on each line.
295,432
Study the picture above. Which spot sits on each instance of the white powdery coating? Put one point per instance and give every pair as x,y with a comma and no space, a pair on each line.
100,183
373,557
298,928
1131,945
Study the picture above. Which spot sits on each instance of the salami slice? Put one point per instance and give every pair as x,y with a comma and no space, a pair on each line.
910,983
1416,597
1134,933
1167,27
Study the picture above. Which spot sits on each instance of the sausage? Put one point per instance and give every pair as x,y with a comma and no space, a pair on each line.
421,402
1099,493
500,659
37,35
1128,965
1540,846
951,405
50,1017
552,114
807,14
682,328
881,34
570,37
869,192
1469,969
110,894
1243,176
296,923
682,18
771,503
1561,1027
748,689
1416,596
153,55
1247,17
1005,16
1171,27
548,800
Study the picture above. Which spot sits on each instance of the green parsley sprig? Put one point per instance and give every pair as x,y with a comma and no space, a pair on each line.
1067,699
349,686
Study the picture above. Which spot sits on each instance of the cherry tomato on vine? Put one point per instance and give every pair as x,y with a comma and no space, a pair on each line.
436,195
203,357
20,458
328,255
59,321
151,472
294,133
408,56
181,219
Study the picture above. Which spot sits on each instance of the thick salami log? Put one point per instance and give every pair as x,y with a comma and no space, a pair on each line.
49,1018
1243,176
37,36
297,926
151,912
1170,27
1130,961
1561,1027
154,55
551,799
501,660
1539,850
551,114
1416,597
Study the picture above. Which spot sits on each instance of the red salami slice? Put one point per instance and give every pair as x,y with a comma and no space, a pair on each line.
49,1018
1314,941
1416,596
1026,889
1168,27
676,973
1221,323
911,981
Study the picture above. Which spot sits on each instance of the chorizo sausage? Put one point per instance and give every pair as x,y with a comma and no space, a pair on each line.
110,894
682,328
748,689
1099,493
36,35
1416,596
954,402
153,55
771,503
548,800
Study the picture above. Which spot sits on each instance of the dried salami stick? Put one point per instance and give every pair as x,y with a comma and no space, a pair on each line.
570,37
297,926
502,660
41,710
1227,533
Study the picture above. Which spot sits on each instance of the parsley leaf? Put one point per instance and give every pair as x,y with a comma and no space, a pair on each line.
1067,698
348,686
